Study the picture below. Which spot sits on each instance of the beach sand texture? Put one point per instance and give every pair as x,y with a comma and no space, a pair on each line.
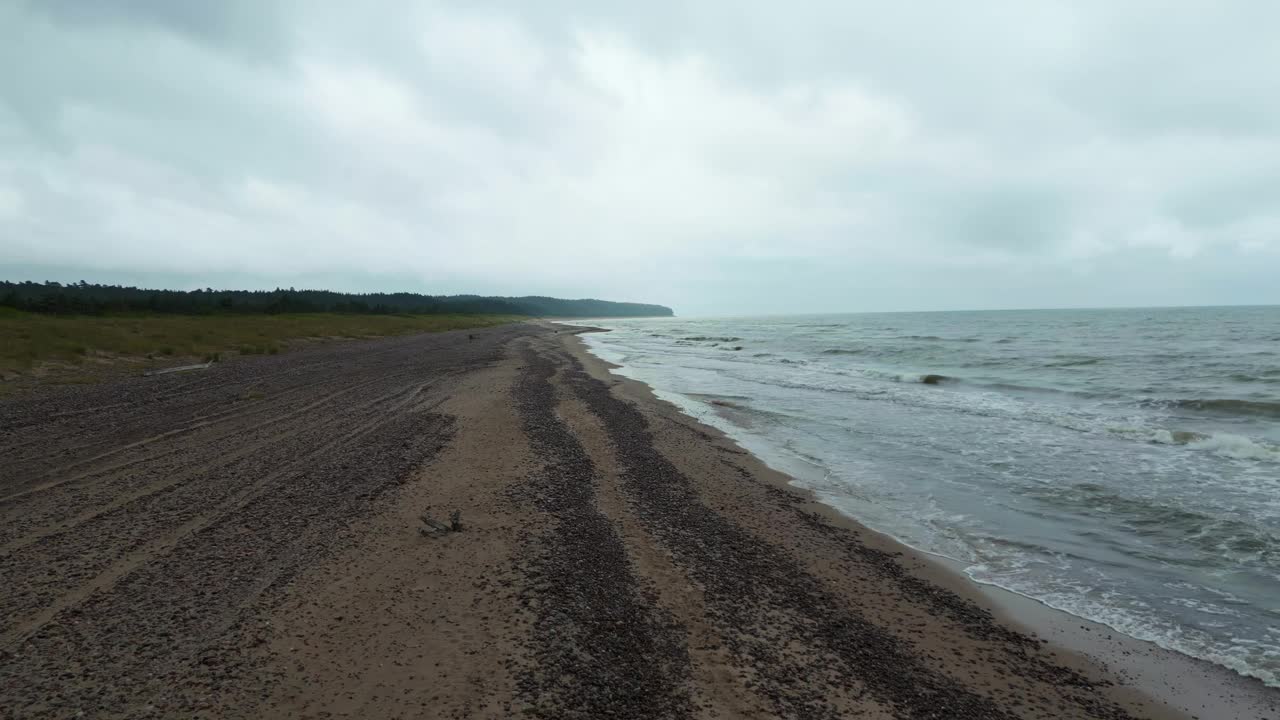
247,541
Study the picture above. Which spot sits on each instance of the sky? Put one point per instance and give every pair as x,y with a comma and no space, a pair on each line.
719,157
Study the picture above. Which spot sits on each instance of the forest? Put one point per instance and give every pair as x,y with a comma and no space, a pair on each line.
84,298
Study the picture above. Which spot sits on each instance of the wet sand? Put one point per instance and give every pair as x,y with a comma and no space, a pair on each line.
245,542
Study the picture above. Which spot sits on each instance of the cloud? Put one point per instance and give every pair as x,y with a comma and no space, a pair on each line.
11,203
257,28
908,157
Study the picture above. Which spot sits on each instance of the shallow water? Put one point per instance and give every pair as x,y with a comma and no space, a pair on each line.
1122,465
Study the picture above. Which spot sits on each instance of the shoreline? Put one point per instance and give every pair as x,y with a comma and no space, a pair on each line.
1197,687
1185,684
264,539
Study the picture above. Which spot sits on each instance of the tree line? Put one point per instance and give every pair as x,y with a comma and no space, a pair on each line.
84,298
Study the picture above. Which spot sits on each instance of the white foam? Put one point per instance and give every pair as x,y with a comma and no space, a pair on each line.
1219,443
1237,446
1248,659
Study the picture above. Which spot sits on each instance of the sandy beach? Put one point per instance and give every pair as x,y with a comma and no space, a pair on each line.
247,541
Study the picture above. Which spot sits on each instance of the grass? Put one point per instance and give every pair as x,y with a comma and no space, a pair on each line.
51,344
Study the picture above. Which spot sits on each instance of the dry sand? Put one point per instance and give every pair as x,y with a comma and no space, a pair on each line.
245,542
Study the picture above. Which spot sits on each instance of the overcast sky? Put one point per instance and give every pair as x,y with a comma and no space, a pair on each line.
719,157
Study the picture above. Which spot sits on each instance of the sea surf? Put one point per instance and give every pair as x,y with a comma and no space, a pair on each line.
1119,465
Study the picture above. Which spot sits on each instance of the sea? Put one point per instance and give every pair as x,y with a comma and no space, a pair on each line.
1120,465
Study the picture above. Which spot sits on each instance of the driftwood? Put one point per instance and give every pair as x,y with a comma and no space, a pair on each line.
180,368
435,527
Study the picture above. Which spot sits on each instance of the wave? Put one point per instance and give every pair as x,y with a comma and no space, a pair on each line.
1237,446
1248,658
922,378
1148,517
935,338
1016,389
1262,377
939,379
710,338
1069,361
1160,435
1226,406
845,351
1219,443
724,403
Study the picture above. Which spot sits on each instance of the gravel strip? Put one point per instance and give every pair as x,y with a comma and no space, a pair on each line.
602,648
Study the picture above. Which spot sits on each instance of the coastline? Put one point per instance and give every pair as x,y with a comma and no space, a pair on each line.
250,542
1143,671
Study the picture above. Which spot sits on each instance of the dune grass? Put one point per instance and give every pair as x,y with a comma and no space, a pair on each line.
34,342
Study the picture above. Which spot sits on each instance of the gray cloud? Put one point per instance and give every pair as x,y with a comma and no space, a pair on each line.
256,28
840,155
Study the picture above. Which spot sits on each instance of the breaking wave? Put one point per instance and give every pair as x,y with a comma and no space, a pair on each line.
1220,443
1228,406
710,338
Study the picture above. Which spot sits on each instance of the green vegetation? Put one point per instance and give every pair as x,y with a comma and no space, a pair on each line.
81,331
30,341
88,299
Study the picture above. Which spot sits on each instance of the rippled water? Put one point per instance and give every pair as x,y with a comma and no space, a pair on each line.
1123,465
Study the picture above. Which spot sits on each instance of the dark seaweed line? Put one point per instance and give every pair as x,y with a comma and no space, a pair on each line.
976,622
601,647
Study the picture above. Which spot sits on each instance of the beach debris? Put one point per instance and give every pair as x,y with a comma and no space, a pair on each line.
180,368
435,527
